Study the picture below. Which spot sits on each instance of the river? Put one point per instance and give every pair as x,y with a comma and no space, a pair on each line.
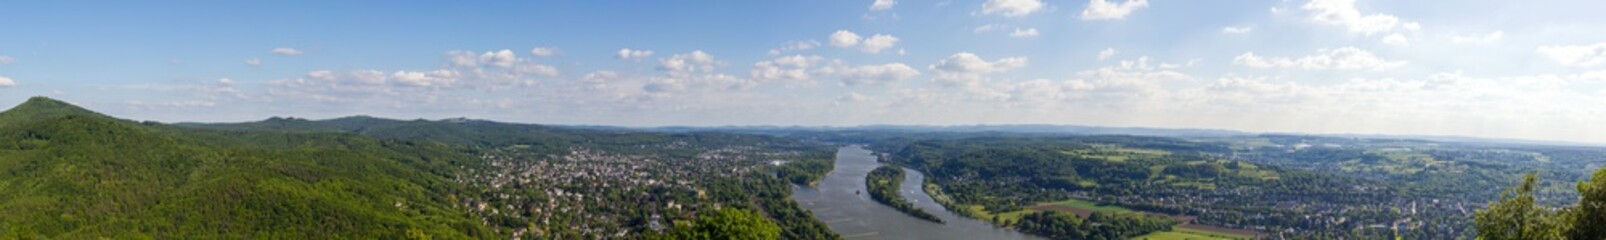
856,216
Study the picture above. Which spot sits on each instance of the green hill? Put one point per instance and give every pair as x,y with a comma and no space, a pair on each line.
71,173
42,108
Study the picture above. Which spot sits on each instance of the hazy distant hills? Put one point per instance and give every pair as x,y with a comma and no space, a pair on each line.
71,173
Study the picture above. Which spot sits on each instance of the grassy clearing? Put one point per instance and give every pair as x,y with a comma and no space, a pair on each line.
983,214
1186,233
1114,153
1179,235
1089,206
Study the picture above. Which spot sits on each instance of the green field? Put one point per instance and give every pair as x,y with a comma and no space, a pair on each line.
1114,153
1090,206
1177,233
1181,233
983,214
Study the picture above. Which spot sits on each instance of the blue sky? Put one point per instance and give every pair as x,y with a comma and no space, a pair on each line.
1530,70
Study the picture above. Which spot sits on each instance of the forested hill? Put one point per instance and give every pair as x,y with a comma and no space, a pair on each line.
71,173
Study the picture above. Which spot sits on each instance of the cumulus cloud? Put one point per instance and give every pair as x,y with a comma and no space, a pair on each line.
1028,32
253,62
879,5
500,58
1325,59
876,43
136,104
7,82
543,51
795,67
632,54
873,44
460,58
965,68
284,51
845,39
536,69
1105,10
503,58
1237,30
1479,39
1396,40
423,79
7,59
795,46
870,74
967,62
1011,8
1576,55
1107,53
1343,13
693,62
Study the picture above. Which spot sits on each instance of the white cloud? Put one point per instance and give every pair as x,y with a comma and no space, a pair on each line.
425,79
7,82
1343,12
967,69
1104,10
1236,30
7,59
879,5
284,51
629,54
966,62
1479,39
1413,26
503,58
466,59
1396,40
1107,53
537,69
694,62
870,74
873,44
543,51
988,28
855,97
876,43
1325,59
1576,55
845,39
795,46
253,62
795,67
1011,8
459,58
180,104
1029,32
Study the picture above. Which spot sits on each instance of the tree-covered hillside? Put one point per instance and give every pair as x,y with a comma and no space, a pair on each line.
70,173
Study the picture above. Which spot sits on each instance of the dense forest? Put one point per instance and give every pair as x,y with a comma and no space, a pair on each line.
1098,226
883,182
806,171
66,172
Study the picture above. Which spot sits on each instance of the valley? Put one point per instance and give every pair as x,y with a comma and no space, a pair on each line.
73,173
